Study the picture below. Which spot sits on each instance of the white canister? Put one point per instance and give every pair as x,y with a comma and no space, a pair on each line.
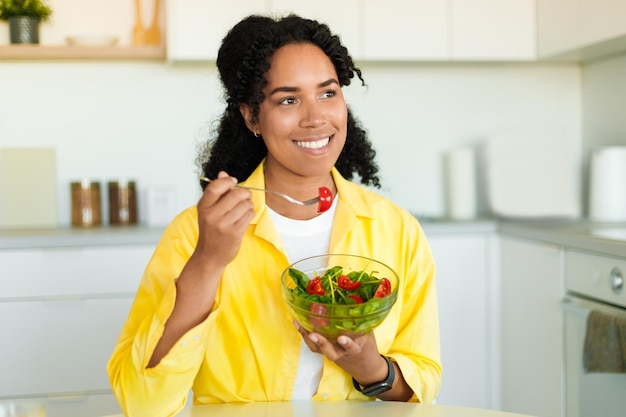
607,184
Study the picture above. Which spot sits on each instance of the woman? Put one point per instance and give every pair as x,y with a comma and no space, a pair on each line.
208,314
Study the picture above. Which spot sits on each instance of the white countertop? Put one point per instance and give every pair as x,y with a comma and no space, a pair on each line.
601,238
604,238
335,409
137,235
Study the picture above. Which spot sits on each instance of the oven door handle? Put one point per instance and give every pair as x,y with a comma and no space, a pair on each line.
575,307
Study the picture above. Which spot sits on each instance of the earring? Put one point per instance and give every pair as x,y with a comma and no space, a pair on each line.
257,134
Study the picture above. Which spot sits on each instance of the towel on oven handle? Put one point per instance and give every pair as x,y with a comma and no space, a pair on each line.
605,343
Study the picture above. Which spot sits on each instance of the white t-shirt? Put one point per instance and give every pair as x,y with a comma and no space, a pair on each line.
304,238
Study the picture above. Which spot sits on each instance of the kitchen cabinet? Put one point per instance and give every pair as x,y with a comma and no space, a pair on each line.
492,30
465,281
195,28
580,29
397,30
62,310
532,327
341,16
404,30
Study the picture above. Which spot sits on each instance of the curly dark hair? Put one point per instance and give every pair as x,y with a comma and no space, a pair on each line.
242,62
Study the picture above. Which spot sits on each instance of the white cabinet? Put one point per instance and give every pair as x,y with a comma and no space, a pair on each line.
195,28
404,30
341,16
601,20
557,26
62,310
580,29
396,30
532,327
464,265
492,30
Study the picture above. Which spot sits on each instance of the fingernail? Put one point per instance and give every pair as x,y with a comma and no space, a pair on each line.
313,338
295,323
342,340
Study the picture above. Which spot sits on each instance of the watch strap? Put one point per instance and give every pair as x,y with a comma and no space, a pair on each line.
377,388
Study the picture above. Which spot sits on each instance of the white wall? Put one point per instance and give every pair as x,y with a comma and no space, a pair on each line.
417,112
144,120
604,97
604,100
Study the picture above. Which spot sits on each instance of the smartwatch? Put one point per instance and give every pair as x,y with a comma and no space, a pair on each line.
377,388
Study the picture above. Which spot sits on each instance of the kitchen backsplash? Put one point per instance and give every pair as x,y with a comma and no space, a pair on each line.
145,120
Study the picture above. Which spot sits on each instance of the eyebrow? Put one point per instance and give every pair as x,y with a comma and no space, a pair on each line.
293,89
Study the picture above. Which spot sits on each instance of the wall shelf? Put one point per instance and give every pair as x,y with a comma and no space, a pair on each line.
63,52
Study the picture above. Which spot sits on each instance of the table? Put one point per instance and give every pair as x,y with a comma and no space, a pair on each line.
335,409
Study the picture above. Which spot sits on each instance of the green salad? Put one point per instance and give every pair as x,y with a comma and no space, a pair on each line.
338,302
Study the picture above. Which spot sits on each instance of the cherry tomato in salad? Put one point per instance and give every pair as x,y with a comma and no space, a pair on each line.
346,283
326,199
318,310
315,286
384,288
356,298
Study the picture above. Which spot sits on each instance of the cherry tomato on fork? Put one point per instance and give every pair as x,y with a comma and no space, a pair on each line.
326,199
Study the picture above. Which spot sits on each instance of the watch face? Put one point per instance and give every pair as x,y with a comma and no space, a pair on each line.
377,389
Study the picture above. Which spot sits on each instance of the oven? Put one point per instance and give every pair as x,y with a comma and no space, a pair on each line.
594,385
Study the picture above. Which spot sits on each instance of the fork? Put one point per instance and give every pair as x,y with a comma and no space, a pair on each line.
310,202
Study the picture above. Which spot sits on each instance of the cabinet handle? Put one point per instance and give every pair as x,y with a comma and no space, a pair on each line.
616,280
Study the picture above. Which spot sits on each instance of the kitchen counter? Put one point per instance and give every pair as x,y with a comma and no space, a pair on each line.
602,238
76,236
605,238
139,235
335,409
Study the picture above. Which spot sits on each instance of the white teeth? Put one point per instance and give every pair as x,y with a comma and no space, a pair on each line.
313,145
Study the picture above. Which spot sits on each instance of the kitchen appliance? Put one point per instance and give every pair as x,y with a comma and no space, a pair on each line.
607,184
594,283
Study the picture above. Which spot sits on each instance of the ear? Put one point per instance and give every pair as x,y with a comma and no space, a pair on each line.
246,113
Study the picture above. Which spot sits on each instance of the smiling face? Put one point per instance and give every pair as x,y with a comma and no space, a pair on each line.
303,119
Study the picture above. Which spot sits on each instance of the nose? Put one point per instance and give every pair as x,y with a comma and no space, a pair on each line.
312,114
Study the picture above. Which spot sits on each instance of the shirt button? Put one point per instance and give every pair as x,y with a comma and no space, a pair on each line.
184,343
196,338
325,395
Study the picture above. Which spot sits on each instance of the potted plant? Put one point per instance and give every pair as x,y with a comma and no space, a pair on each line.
24,17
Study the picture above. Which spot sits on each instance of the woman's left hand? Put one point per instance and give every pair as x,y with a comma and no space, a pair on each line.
358,356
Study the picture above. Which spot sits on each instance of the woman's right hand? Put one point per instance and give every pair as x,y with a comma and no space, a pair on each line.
224,213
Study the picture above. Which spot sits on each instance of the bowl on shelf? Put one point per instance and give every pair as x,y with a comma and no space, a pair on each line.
339,294
91,40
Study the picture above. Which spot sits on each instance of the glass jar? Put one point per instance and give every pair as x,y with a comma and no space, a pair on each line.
86,207
122,202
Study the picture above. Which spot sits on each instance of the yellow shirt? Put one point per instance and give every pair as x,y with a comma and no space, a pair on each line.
248,348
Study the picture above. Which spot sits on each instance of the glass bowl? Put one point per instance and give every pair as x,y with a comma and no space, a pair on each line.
339,294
